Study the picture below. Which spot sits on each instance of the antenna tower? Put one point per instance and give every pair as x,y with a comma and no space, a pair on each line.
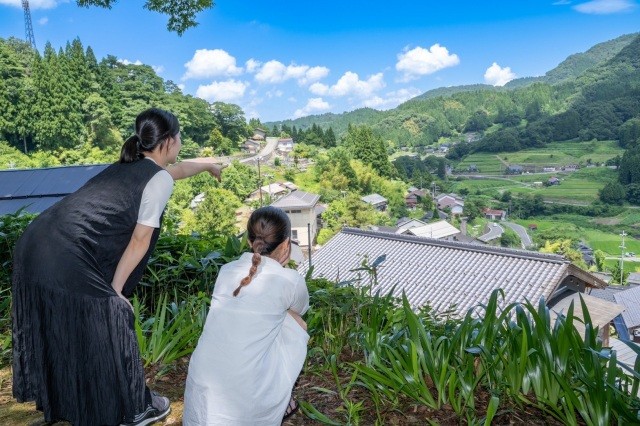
28,28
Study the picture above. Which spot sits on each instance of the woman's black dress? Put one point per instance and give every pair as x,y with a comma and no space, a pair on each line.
75,351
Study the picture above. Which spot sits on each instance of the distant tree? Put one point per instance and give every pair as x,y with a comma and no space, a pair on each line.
612,193
216,214
240,179
231,122
599,257
618,276
629,170
364,145
479,121
565,248
509,238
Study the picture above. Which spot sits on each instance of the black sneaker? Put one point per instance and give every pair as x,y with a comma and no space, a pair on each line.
156,411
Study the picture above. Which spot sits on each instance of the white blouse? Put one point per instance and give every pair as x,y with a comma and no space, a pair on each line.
251,351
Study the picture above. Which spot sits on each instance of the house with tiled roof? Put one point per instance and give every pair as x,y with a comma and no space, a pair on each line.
376,200
494,214
445,274
301,207
441,230
630,299
453,201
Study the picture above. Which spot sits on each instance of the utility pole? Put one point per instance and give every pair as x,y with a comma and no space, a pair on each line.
259,182
622,247
28,27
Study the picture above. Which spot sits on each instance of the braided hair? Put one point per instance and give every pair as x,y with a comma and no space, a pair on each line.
267,228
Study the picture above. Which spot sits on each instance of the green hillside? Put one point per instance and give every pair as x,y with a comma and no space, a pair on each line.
580,99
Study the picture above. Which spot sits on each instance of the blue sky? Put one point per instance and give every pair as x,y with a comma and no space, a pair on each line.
287,59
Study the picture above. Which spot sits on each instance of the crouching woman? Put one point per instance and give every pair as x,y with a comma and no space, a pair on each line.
254,342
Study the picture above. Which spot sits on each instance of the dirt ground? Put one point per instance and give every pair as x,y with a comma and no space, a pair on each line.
316,389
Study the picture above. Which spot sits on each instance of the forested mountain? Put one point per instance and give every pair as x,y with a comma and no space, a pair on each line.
531,112
575,65
63,99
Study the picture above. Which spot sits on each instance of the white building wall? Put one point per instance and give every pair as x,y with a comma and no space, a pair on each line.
299,223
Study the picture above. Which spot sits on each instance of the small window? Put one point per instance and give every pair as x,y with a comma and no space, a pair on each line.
294,211
294,234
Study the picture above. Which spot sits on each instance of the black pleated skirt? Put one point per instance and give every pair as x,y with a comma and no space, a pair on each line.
75,353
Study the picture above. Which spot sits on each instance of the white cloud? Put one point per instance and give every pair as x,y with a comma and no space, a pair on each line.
159,69
43,21
128,62
224,91
498,76
313,105
276,72
419,61
252,65
391,99
181,86
292,99
211,63
605,7
350,85
34,4
274,94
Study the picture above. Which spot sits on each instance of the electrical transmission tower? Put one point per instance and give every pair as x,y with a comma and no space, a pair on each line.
28,28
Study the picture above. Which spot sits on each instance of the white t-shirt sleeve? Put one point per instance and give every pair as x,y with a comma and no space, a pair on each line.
300,303
154,199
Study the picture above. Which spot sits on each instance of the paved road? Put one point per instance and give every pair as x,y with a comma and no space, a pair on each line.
264,155
522,233
495,231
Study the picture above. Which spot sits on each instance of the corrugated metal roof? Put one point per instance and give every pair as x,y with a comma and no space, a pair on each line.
601,311
630,299
297,199
440,229
38,189
373,199
440,273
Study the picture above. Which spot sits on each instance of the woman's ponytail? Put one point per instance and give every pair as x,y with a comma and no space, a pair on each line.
130,151
255,261
153,128
267,228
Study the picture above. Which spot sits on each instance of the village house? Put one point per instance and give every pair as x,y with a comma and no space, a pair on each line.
406,223
300,206
414,196
513,169
259,134
548,169
494,214
273,191
251,146
376,200
441,230
553,181
446,274
285,146
453,201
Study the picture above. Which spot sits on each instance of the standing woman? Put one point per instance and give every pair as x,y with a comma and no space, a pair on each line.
254,341
75,351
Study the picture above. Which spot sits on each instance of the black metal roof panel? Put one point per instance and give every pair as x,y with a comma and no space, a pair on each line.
38,189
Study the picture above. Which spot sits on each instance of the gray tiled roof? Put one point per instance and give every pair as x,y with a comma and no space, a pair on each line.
374,199
441,273
297,199
630,299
